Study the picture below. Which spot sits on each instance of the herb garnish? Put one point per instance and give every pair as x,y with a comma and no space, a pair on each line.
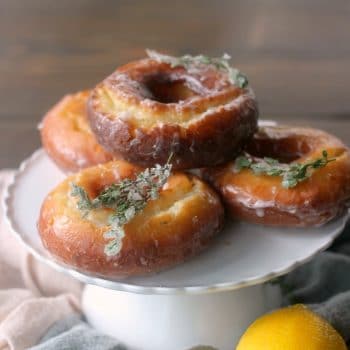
187,61
126,198
291,174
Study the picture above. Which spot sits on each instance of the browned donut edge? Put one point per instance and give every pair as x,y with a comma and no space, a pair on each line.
76,246
208,142
329,197
70,148
226,116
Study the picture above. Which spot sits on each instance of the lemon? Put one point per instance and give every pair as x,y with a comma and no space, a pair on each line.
291,328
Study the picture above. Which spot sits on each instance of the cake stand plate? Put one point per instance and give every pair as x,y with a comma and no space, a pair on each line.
175,309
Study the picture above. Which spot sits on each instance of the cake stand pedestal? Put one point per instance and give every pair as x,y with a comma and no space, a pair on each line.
177,322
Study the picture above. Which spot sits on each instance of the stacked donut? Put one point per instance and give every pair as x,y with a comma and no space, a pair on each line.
137,207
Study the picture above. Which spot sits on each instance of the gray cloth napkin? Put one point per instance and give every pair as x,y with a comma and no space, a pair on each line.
73,333
323,284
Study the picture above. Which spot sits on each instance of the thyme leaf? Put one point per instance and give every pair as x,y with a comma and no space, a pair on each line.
291,174
126,198
187,61
84,203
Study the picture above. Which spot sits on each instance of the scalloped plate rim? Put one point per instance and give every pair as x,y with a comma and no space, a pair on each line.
121,286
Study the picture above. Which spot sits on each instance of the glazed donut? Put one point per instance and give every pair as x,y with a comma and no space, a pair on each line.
262,199
170,229
66,135
147,110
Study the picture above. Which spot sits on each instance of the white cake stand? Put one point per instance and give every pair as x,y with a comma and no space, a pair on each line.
208,300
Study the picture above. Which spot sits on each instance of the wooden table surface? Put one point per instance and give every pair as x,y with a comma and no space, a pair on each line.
296,54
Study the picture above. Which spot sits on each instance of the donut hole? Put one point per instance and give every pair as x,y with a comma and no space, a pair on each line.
285,150
167,90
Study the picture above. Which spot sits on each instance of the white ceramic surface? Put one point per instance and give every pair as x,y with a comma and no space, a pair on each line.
177,322
242,255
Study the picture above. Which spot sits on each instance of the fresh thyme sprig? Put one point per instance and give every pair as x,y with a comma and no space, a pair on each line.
187,61
291,174
126,198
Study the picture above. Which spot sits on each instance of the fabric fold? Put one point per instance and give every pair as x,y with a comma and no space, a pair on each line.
33,297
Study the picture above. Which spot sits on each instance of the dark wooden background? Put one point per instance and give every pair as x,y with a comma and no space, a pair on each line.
296,54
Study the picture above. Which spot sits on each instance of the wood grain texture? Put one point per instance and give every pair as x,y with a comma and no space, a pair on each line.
296,54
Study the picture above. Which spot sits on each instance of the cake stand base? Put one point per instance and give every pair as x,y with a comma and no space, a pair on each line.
177,322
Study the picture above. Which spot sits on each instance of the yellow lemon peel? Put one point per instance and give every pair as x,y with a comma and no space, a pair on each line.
292,328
